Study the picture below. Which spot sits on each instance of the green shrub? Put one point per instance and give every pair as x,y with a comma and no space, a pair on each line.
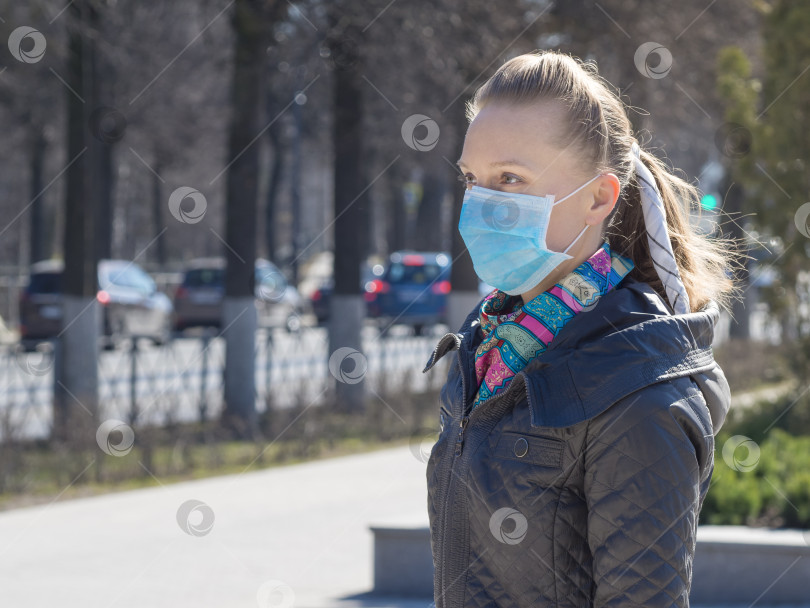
789,412
773,490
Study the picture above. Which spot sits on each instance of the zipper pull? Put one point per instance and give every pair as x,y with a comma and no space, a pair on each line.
460,438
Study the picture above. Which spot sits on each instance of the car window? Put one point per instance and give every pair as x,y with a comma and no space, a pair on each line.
421,273
130,277
270,282
269,275
45,282
204,277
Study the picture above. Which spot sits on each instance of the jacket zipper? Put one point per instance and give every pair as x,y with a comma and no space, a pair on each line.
444,558
466,417
460,438
450,461
444,473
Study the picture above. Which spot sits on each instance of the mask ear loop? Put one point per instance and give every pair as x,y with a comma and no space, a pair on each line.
577,190
572,194
576,239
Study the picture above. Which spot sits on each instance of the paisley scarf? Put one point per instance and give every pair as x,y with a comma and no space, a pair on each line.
515,333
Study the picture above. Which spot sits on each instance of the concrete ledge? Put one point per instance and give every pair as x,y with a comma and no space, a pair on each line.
403,562
733,564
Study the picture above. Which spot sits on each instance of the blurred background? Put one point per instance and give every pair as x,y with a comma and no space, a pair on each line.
228,227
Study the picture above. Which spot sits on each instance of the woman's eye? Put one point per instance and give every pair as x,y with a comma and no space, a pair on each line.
514,177
467,180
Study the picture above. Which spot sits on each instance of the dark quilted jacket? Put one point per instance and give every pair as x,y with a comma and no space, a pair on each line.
581,483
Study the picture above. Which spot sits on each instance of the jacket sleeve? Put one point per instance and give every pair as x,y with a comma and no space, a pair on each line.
648,461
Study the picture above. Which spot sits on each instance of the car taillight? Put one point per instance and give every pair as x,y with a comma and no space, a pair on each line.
180,293
377,286
103,297
413,260
440,288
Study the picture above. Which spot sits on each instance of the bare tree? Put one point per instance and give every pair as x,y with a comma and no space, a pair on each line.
77,367
350,202
251,22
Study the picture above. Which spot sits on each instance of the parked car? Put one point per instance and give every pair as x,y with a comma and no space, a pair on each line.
131,304
320,298
198,299
411,290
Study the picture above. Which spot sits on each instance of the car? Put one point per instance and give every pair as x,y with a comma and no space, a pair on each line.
412,289
321,295
320,298
131,304
198,299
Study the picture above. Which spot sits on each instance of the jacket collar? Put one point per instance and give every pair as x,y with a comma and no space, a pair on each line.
630,339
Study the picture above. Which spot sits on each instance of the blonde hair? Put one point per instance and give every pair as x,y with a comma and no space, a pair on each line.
600,130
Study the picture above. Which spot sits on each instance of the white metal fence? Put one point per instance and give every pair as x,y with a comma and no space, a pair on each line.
182,381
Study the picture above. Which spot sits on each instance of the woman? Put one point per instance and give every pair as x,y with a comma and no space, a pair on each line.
578,420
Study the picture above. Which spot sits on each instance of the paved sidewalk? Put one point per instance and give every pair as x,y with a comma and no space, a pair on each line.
305,525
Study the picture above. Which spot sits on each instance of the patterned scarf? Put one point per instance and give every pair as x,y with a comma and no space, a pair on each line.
515,333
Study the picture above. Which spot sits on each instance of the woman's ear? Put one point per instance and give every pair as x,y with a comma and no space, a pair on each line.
605,196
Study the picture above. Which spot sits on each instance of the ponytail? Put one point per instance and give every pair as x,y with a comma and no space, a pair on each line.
702,262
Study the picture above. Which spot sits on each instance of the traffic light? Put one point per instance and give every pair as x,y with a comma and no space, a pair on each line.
708,202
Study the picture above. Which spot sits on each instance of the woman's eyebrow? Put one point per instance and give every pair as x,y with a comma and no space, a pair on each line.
502,163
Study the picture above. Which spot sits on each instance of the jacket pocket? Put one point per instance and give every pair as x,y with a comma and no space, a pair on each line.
531,449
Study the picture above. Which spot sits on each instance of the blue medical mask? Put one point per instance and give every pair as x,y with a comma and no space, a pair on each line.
506,236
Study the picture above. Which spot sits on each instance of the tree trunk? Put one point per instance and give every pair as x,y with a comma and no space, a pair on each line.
397,214
740,326
103,184
76,390
276,172
347,304
239,310
428,219
157,215
36,233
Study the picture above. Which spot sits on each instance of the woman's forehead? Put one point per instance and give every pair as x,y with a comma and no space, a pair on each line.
526,135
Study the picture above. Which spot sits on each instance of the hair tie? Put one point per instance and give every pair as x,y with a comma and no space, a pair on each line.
655,219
